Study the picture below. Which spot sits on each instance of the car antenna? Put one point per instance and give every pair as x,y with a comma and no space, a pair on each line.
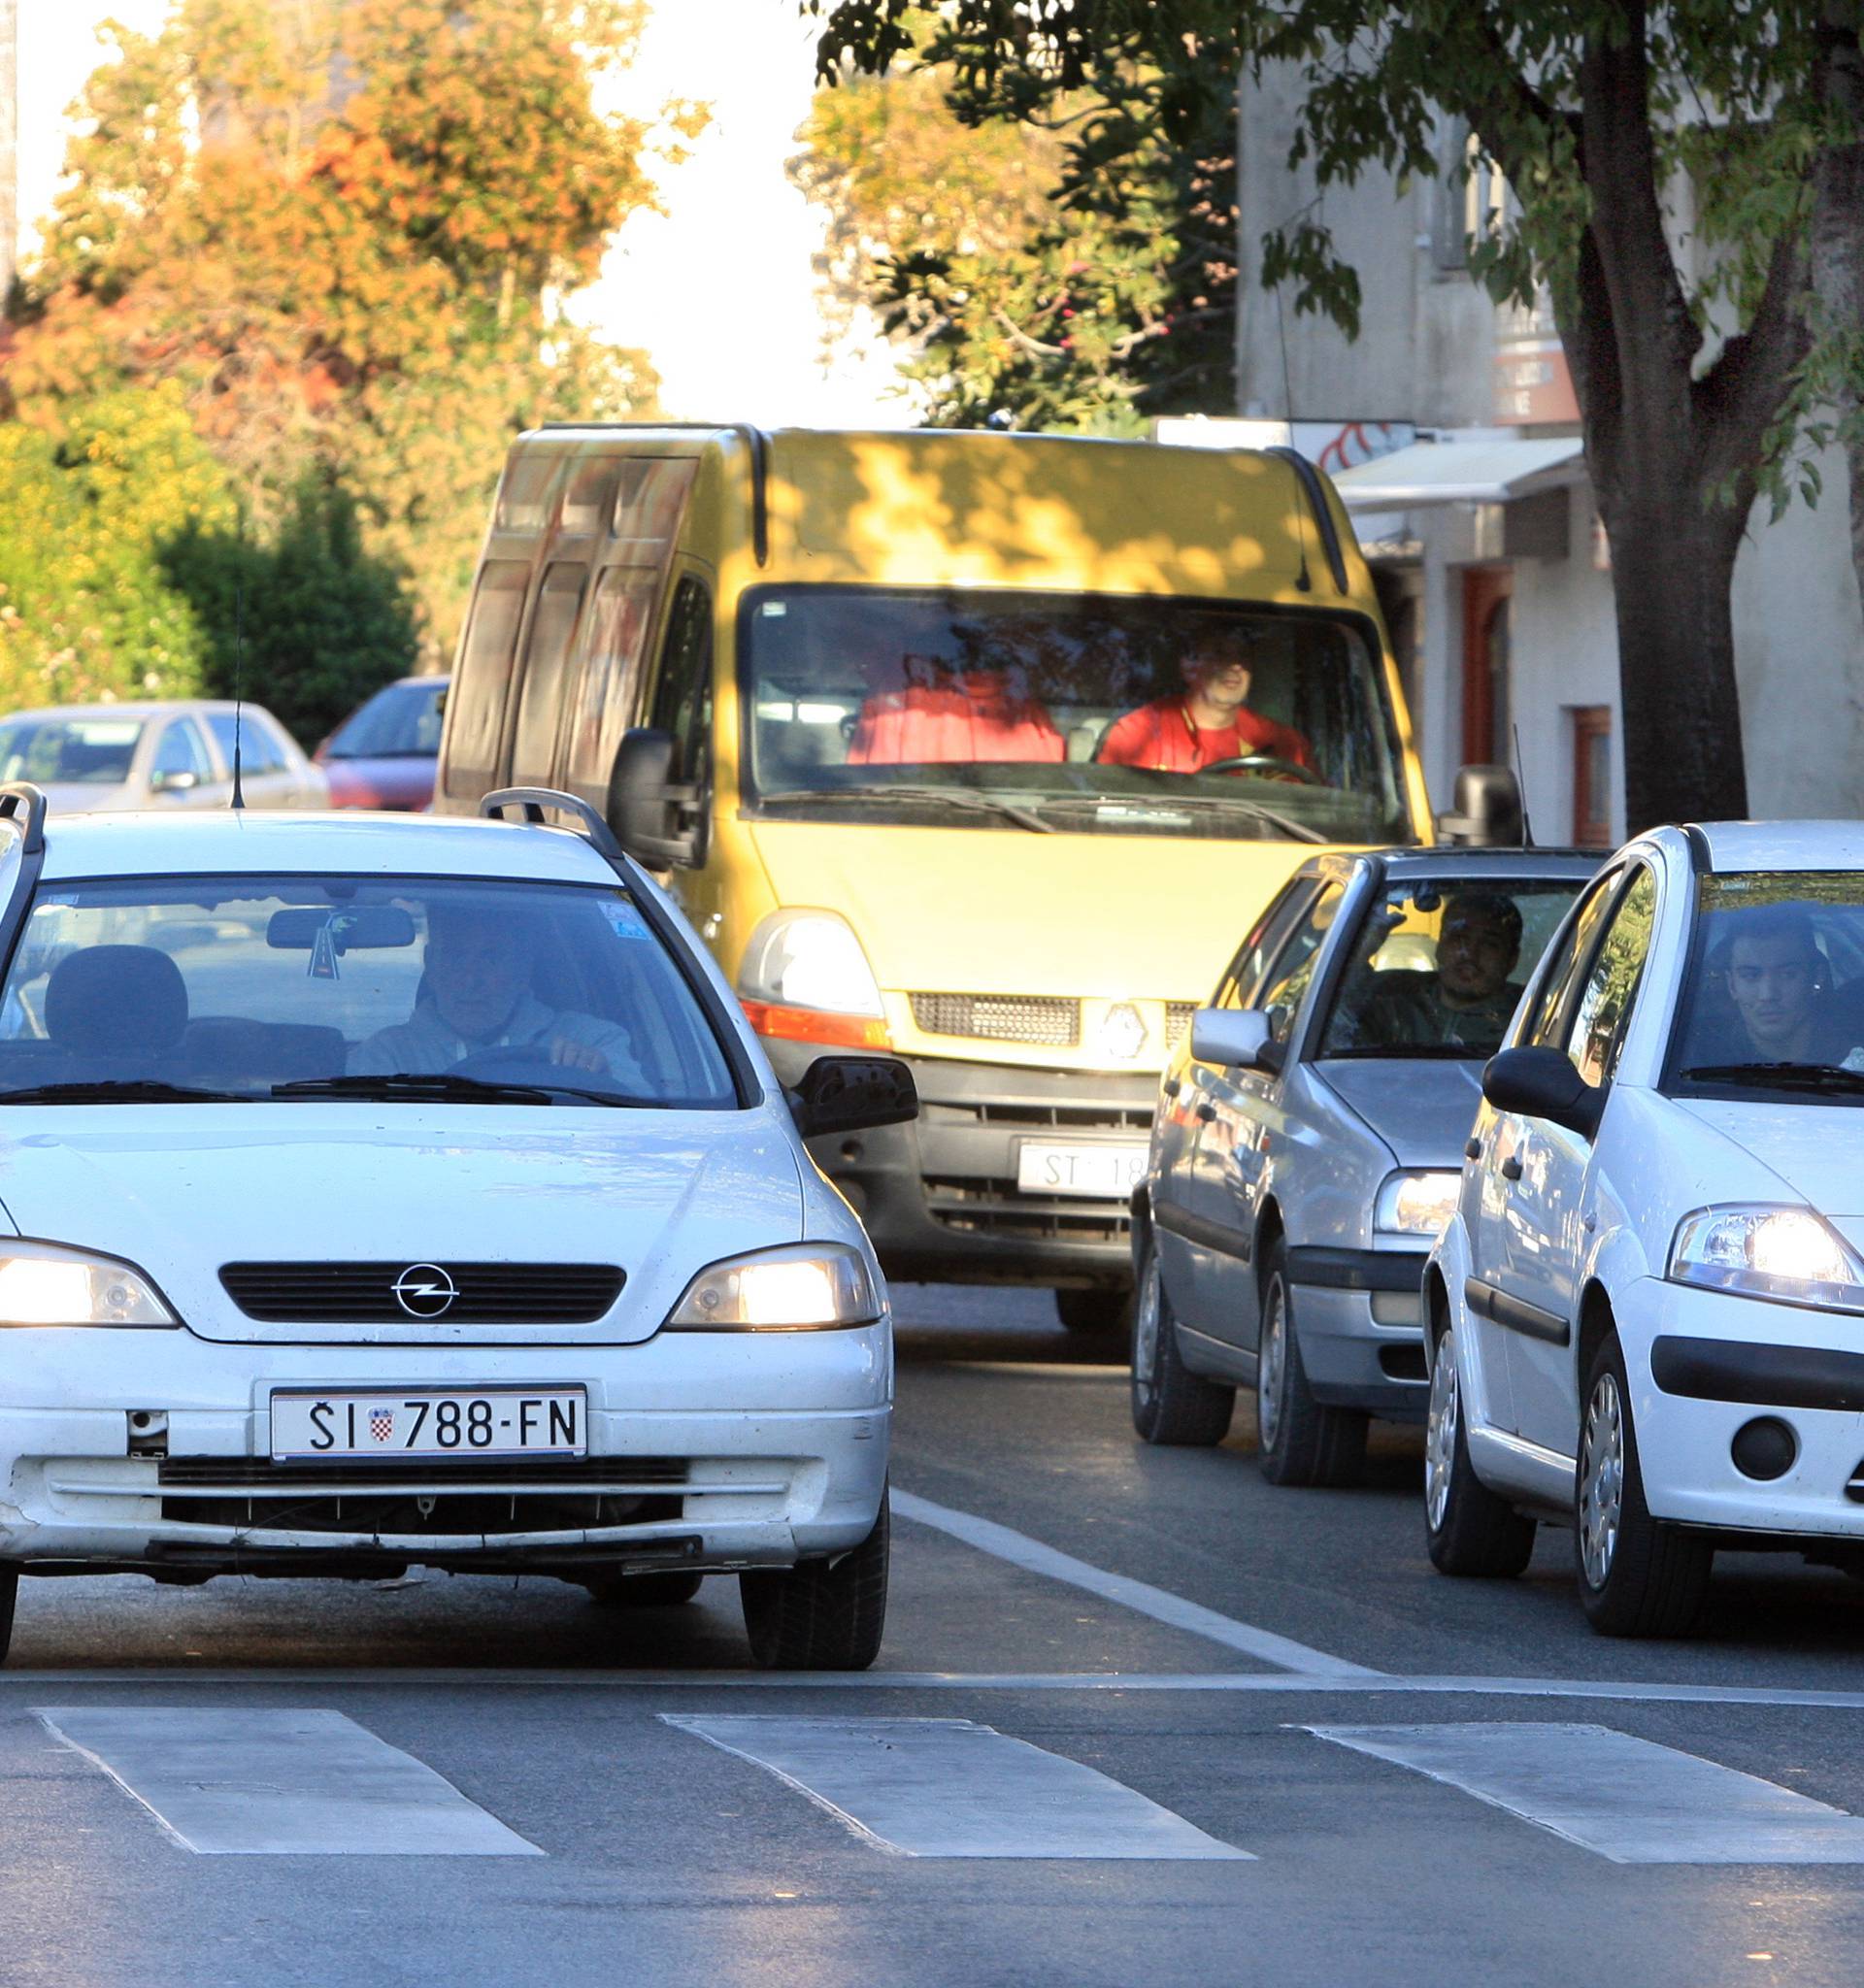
1520,780
238,683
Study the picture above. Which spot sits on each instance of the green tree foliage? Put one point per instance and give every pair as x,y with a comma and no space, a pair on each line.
1663,156
307,624
86,611
1063,271
343,229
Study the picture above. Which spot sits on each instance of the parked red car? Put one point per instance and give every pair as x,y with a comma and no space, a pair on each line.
382,754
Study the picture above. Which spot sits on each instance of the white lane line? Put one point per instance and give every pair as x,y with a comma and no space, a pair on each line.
1629,1800
1143,1599
949,1788
231,1783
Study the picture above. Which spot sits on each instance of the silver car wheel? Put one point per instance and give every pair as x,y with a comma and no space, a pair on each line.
1145,1331
1440,1432
1272,1363
1601,1479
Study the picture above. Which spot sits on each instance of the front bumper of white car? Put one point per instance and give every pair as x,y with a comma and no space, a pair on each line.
152,1451
1703,1365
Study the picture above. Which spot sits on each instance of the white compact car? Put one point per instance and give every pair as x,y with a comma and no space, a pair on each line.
101,757
381,1189
1646,1317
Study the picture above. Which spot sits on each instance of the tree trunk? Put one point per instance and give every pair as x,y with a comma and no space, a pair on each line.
1838,242
1672,565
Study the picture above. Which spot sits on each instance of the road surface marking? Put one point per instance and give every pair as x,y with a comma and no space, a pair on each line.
1629,1800
1139,1596
949,1788
232,1784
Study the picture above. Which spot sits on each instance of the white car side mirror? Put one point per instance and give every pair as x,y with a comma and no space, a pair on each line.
1231,1038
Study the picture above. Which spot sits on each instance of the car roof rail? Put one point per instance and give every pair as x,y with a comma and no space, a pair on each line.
24,806
535,802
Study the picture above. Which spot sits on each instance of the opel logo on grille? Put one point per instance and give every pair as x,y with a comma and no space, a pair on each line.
423,1290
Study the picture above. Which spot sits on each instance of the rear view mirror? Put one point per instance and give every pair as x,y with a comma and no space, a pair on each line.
1234,1039
1542,1083
853,1094
368,927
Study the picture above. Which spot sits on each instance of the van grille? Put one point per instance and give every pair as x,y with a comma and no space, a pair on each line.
364,1293
1053,1021
1177,1021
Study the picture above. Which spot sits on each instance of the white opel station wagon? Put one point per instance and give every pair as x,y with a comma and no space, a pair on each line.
1646,1316
380,1190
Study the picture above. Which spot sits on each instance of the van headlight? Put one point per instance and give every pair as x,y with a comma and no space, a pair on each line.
1784,1253
43,1284
1416,1204
804,977
802,1288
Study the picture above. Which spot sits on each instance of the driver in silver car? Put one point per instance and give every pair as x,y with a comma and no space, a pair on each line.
476,998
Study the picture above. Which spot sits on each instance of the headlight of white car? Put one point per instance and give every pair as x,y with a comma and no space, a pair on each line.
1416,1204
43,1284
1784,1253
802,1288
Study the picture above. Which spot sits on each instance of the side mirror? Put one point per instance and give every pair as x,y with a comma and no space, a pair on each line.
1542,1083
656,818
853,1094
1236,1038
176,780
1487,812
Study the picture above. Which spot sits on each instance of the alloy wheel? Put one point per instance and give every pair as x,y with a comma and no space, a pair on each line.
1601,1479
1440,1431
1272,1364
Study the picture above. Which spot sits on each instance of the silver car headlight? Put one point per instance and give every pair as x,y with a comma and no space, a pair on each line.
44,1284
805,1287
1784,1253
1415,1203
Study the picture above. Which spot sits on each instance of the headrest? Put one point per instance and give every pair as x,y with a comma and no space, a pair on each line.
126,1002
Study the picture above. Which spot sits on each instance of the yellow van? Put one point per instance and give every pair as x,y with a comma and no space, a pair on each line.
862,696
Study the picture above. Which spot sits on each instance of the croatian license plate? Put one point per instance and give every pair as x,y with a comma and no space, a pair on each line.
1101,1172
414,1422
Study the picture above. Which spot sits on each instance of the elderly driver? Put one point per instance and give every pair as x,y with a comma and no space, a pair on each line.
478,998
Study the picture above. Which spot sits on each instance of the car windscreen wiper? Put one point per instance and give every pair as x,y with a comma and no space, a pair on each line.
127,1090
444,1088
1803,1077
941,797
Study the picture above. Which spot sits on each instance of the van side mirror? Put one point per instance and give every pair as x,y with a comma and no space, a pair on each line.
1487,812
1236,1038
1542,1083
853,1094
659,819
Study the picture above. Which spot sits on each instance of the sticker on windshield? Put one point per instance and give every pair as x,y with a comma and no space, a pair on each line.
624,921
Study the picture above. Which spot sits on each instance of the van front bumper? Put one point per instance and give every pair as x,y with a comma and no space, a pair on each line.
939,1197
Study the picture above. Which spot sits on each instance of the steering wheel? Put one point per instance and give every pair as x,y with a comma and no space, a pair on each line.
512,1062
1293,768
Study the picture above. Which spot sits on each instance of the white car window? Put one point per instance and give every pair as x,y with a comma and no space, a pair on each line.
1561,981
1612,986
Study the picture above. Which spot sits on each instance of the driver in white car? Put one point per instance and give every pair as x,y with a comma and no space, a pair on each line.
476,998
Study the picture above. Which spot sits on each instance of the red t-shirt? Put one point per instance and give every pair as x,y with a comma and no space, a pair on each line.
1164,736
965,718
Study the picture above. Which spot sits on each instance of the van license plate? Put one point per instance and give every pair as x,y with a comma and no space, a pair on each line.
1101,1173
414,1422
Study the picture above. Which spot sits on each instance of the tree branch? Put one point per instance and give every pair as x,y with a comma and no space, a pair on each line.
1741,396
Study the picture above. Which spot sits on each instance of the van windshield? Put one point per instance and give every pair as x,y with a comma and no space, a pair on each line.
1071,714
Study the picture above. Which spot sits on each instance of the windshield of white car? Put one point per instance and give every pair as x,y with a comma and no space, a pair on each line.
69,752
438,990
1772,998
1096,714
1438,965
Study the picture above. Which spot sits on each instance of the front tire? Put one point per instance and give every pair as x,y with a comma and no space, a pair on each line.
1171,1404
1300,1441
9,1597
1468,1529
823,1615
1638,1576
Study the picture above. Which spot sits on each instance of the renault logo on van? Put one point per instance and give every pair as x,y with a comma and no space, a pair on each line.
423,1290
1122,1032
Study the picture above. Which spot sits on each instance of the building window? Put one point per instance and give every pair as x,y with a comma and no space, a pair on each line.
1591,777
1487,635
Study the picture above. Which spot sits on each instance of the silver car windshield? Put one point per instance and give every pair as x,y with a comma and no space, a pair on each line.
1437,966
1773,997
305,987
69,752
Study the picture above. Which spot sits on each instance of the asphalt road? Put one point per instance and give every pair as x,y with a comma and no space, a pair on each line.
1253,1736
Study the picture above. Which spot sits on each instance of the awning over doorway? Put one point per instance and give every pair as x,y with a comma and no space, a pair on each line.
1493,472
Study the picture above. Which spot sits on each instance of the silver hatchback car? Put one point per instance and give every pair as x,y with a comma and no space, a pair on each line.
1307,1143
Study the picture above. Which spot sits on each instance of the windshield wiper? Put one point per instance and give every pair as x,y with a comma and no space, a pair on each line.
129,1090
943,797
442,1086
1805,1076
